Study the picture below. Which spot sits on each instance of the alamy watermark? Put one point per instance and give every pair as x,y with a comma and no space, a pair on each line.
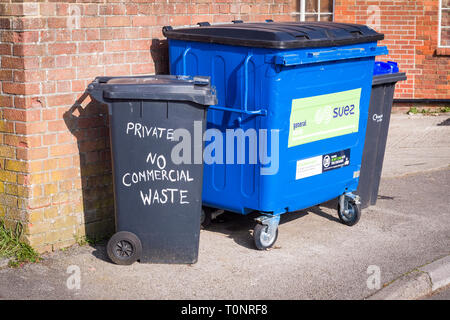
374,280
73,282
73,21
234,146
374,17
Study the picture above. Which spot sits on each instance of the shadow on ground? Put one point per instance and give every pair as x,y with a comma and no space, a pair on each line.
240,227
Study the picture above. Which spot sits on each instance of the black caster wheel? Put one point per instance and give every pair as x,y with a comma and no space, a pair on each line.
351,212
206,217
263,239
124,248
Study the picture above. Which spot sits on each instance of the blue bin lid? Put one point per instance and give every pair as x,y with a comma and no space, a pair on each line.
385,67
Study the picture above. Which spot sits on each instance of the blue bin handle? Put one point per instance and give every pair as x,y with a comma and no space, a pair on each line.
261,112
249,56
334,54
184,60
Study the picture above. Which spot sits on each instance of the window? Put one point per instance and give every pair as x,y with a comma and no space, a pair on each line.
444,23
316,10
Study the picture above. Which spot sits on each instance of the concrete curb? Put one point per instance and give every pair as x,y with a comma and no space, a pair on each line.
417,283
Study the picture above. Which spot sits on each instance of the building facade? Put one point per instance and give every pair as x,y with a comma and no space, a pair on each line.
417,34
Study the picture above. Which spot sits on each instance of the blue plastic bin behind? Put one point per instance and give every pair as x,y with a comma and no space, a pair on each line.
263,87
385,67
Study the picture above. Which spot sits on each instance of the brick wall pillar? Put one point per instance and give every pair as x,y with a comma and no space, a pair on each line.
20,112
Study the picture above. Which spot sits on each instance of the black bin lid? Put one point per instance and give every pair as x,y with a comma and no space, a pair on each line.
154,87
277,35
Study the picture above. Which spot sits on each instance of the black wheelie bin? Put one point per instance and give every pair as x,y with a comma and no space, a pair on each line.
157,195
386,75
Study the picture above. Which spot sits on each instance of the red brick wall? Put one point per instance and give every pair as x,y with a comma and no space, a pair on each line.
411,35
55,167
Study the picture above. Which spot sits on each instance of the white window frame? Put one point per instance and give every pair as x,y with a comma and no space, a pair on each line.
441,27
302,14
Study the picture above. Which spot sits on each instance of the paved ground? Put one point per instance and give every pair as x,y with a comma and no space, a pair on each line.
315,257
417,143
443,294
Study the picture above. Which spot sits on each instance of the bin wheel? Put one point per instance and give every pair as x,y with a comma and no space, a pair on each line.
206,217
351,217
124,248
263,239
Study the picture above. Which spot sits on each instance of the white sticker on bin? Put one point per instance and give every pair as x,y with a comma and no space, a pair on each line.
323,163
308,167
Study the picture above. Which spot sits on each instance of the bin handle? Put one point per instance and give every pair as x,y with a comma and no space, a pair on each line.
94,89
249,56
261,112
308,57
184,59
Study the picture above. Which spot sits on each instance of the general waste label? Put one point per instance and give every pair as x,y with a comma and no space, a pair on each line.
325,116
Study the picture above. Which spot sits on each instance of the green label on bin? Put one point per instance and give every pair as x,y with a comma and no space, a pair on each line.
325,116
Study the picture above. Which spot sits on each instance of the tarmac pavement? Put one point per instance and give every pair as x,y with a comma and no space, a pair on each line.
417,143
315,256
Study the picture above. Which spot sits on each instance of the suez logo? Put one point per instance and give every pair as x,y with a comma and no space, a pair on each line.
343,111
337,113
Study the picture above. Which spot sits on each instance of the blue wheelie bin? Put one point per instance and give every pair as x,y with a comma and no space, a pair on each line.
293,95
